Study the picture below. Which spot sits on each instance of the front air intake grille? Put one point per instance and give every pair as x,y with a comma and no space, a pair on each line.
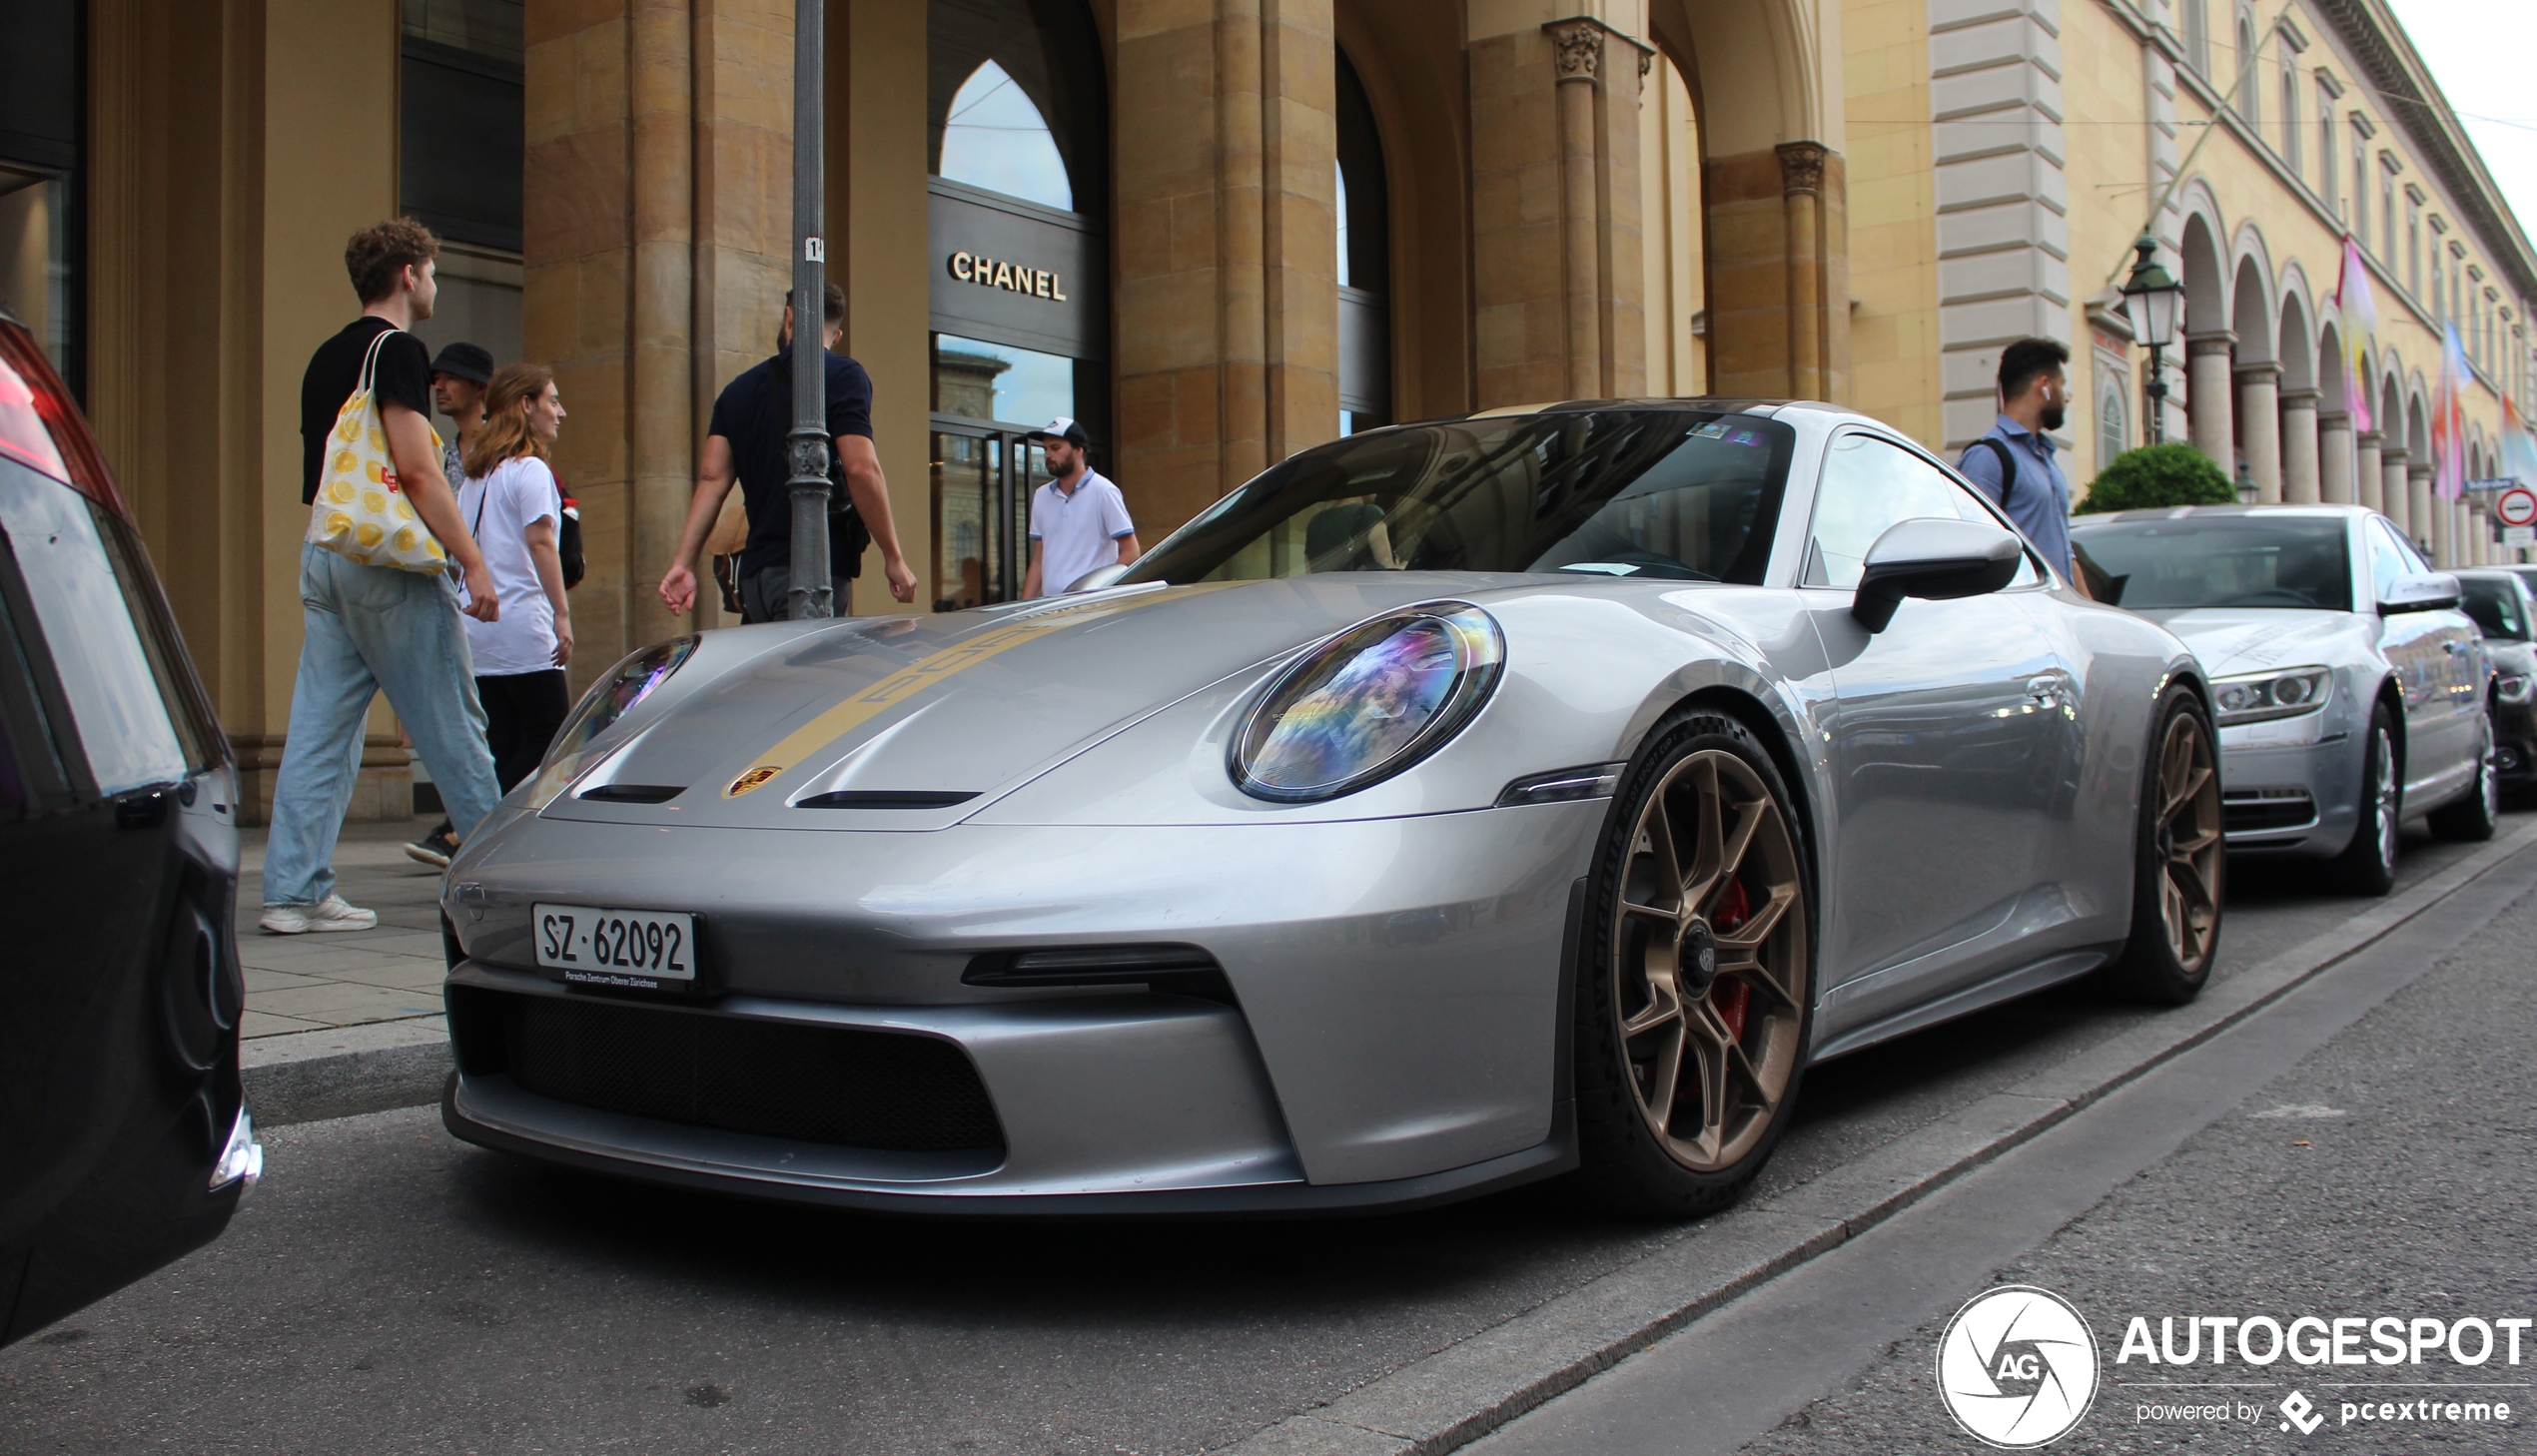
839,1085
2254,811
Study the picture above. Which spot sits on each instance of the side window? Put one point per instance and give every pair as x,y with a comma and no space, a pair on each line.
1868,485
2386,558
83,612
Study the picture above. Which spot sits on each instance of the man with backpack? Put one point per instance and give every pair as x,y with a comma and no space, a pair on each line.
371,628
2012,460
748,440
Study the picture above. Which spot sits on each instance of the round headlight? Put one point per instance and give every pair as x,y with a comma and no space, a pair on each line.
2237,697
1369,703
608,699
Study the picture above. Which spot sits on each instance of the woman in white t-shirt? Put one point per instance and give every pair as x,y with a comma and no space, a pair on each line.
511,507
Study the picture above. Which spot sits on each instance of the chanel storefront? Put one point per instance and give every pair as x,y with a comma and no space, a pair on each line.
1019,292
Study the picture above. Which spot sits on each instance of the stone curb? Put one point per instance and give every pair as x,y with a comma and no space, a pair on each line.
303,1077
1480,1383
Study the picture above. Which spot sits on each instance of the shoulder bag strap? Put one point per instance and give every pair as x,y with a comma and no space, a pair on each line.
2008,466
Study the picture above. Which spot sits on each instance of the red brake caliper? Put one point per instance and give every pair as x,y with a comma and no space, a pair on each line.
1727,995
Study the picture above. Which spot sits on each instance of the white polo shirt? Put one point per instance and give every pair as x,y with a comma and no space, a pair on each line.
1078,533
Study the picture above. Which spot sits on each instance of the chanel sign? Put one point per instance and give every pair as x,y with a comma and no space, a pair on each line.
992,272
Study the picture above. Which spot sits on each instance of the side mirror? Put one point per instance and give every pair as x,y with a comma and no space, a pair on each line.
2421,592
1934,559
1097,578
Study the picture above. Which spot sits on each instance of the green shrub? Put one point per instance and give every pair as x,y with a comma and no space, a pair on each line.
2159,474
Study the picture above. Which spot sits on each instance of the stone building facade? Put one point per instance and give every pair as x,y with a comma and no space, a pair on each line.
1219,231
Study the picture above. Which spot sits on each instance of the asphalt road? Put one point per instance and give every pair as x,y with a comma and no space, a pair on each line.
392,1291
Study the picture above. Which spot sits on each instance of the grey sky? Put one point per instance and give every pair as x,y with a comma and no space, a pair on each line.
2480,52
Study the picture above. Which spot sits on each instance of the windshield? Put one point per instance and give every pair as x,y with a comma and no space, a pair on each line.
1672,494
2221,562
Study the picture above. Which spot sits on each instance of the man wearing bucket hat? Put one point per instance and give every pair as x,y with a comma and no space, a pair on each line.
1079,521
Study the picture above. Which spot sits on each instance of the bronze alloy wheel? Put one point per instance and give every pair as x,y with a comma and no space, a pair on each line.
2189,842
1710,961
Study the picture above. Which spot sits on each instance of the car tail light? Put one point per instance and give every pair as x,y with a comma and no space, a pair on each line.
41,428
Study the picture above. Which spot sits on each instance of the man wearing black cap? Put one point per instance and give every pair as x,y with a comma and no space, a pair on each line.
459,378
1079,521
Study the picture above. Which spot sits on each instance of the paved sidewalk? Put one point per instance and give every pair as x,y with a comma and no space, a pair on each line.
326,982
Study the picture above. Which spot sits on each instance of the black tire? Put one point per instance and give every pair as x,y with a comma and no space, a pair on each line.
1740,1017
2473,818
2180,880
2367,866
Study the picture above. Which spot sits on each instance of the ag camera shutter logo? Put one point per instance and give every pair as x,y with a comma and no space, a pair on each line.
2017,1367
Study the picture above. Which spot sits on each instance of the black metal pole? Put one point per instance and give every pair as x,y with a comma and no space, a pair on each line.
2157,390
811,594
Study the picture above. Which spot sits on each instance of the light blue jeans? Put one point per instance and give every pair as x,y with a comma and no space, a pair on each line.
371,629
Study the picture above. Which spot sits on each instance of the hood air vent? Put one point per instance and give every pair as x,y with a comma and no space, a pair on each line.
884,798
632,793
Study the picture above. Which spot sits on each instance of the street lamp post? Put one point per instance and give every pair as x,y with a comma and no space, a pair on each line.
811,594
2152,297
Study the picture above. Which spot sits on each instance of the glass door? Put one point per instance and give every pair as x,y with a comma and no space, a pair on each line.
983,476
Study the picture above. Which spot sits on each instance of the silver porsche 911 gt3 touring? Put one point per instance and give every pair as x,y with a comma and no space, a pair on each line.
1451,805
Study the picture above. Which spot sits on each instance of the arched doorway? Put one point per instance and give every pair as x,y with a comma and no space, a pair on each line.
1365,260
1017,206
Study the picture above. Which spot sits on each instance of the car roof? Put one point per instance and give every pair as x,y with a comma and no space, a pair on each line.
2180,512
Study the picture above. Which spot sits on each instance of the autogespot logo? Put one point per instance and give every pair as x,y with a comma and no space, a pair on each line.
2017,1367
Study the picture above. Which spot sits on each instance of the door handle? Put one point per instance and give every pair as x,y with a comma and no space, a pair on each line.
2454,649
2044,691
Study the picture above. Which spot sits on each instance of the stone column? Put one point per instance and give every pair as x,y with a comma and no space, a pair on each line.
1801,173
2335,458
2369,480
1558,267
2301,484
2391,486
2259,428
2479,534
2208,396
1577,49
2419,504
1226,245
2444,533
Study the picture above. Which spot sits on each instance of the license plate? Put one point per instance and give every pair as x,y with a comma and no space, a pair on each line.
617,947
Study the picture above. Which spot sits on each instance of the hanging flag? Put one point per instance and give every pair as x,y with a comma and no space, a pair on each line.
2448,417
2361,320
2519,446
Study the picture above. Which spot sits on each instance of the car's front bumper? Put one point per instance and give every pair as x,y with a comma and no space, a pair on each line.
2290,786
1389,1034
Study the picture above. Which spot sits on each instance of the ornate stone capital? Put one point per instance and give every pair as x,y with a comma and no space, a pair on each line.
1577,49
2391,456
2299,398
2218,340
2259,372
1802,167
2370,439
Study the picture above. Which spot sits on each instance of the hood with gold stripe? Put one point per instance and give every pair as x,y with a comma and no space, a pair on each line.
915,723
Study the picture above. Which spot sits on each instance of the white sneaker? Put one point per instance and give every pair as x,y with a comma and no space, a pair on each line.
329,914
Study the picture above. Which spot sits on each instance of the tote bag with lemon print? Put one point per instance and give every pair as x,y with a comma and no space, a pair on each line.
361,512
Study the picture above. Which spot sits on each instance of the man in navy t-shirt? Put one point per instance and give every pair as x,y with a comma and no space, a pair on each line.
747,442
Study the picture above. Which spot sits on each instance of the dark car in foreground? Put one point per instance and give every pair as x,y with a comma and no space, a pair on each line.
124,1136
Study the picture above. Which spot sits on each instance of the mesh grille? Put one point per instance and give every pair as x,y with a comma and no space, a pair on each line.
851,1088
2252,810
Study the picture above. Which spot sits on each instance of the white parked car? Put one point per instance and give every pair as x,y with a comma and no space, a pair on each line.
2352,691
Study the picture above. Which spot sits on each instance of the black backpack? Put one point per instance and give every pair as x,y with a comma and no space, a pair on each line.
568,542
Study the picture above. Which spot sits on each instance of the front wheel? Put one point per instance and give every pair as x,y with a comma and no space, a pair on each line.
2473,818
2180,865
2367,866
1696,997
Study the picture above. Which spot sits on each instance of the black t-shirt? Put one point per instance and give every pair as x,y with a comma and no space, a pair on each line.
755,414
335,370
